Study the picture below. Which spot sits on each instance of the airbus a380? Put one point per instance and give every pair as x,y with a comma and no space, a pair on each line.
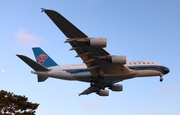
101,69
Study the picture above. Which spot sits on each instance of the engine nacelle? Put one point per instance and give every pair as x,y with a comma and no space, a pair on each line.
116,87
118,59
101,42
103,92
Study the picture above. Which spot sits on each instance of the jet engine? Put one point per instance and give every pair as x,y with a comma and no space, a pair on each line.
118,59
101,42
103,92
116,87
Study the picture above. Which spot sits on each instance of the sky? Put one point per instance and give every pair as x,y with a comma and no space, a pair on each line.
140,30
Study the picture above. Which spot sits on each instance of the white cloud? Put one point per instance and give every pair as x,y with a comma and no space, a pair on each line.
168,90
92,104
26,38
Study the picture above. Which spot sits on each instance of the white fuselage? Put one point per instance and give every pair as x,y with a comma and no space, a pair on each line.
81,73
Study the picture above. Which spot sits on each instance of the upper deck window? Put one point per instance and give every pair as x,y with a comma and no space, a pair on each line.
148,62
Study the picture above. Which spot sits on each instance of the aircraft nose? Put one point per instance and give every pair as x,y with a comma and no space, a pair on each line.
166,70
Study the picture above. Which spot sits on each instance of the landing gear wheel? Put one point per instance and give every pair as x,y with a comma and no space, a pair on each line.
92,85
102,86
161,79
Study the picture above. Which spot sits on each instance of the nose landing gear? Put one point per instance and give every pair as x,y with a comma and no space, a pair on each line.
161,79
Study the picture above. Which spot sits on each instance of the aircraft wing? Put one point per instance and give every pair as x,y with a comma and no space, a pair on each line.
94,57
69,30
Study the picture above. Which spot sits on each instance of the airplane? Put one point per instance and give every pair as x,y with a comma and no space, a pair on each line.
101,69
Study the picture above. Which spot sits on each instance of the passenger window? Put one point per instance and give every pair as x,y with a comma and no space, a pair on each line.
144,63
148,62
134,63
139,62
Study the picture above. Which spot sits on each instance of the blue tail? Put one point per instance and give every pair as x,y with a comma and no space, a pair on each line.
42,58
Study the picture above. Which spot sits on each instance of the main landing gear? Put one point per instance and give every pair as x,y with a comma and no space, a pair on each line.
96,81
161,79
99,85
100,76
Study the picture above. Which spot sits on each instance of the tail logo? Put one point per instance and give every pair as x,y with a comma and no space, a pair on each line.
41,58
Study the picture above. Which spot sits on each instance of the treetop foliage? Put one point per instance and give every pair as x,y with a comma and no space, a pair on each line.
11,104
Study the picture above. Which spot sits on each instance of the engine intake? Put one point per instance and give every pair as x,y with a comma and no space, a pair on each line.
103,92
101,42
118,59
116,87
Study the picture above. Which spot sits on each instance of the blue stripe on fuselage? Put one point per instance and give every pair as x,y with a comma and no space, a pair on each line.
76,71
162,69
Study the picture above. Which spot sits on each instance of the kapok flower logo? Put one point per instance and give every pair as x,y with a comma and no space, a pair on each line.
41,58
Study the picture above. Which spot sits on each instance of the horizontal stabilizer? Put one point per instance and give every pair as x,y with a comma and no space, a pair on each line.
41,78
34,65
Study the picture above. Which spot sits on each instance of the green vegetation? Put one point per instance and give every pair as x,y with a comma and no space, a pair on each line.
11,104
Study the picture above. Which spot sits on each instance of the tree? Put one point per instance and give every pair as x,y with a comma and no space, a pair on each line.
11,104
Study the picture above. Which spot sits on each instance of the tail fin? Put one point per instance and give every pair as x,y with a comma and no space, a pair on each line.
42,58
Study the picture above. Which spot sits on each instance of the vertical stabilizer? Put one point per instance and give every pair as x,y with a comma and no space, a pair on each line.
42,58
